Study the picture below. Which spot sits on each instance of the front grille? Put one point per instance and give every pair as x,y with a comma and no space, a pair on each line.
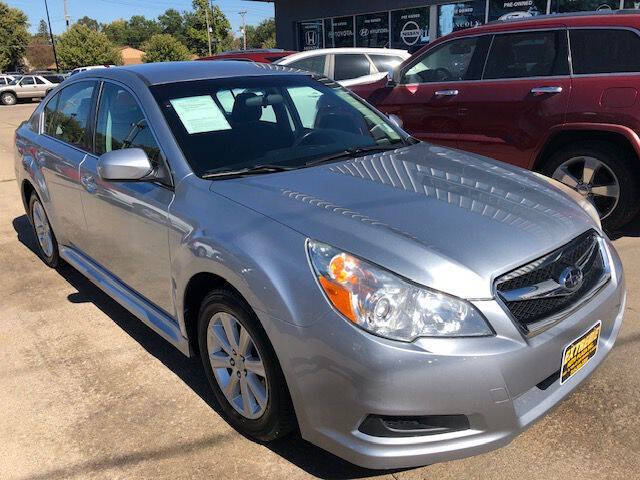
528,292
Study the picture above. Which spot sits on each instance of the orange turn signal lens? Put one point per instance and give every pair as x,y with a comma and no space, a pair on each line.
339,297
343,269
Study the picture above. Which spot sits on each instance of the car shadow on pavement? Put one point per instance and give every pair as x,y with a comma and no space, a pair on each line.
298,451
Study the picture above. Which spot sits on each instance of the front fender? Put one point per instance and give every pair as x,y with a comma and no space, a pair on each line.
263,260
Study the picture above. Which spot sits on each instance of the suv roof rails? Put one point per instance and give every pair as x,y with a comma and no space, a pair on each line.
627,11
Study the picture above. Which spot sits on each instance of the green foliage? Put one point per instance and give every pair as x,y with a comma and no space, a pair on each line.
262,36
92,23
133,32
196,28
43,31
13,36
172,23
163,47
81,46
116,32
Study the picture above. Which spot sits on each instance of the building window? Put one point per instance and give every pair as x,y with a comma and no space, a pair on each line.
458,16
409,28
567,6
372,30
338,32
310,35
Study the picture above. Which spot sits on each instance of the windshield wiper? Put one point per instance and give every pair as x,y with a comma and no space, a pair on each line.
241,172
351,152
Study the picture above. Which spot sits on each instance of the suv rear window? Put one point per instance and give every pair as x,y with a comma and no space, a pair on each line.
348,66
596,50
529,54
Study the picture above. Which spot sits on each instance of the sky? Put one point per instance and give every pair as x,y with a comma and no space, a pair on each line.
107,10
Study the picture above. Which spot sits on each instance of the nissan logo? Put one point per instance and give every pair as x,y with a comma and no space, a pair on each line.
571,279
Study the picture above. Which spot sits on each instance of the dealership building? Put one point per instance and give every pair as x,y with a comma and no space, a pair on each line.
405,24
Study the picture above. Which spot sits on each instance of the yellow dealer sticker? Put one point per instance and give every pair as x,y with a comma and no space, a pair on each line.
579,352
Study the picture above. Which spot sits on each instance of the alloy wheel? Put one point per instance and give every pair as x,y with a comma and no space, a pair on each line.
237,365
593,179
8,99
43,229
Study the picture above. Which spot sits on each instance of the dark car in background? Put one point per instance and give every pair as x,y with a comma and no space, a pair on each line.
260,55
558,95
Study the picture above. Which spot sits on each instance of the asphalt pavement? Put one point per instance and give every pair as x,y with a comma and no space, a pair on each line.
89,392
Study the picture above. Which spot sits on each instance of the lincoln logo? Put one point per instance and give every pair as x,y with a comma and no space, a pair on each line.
571,279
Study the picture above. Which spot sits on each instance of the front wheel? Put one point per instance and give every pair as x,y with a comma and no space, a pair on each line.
47,245
604,174
8,98
242,368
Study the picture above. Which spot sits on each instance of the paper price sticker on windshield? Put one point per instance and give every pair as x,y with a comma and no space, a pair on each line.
200,114
579,352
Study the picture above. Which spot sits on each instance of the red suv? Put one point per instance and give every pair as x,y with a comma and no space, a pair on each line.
556,94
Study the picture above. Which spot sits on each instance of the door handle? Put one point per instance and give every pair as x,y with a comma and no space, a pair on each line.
89,183
446,93
546,90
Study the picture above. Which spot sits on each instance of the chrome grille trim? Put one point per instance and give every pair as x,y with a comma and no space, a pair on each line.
534,298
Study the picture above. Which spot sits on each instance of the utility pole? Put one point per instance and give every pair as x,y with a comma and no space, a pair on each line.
244,29
206,14
53,44
66,14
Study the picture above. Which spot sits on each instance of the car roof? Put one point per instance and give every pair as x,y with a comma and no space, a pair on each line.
169,72
343,50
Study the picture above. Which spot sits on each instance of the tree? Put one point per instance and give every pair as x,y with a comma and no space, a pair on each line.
171,22
196,28
140,29
89,22
116,32
81,46
163,47
13,36
262,36
43,31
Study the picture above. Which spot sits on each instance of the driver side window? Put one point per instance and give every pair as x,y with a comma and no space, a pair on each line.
121,124
461,59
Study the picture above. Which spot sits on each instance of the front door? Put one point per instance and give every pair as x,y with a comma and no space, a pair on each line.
127,222
27,88
427,97
524,92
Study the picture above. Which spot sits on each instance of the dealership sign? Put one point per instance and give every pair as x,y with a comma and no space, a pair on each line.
310,35
409,27
373,30
510,9
338,32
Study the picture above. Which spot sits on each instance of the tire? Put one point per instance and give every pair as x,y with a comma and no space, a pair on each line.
618,169
276,417
8,98
47,249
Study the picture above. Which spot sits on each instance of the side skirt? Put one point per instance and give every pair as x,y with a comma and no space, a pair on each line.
151,316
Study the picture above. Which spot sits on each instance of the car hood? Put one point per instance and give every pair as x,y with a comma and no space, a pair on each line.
443,218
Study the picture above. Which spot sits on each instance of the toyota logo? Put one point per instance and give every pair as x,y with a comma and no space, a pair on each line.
571,279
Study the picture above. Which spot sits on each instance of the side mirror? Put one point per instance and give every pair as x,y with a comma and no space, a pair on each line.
391,79
125,164
396,120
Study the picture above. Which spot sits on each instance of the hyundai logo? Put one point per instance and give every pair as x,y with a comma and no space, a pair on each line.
571,278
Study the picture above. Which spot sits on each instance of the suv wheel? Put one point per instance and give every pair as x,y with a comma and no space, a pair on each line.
603,173
242,368
8,98
47,245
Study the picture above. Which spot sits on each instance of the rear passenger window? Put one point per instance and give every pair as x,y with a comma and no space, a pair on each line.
530,54
72,114
121,124
313,64
350,66
604,51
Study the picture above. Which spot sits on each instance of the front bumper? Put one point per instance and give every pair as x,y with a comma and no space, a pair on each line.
338,375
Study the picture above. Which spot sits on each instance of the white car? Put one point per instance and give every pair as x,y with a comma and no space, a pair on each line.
28,86
90,67
347,66
6,79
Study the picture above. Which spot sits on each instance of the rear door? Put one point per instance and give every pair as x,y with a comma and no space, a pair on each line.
41,87
62,147
523,94
606,76
427,97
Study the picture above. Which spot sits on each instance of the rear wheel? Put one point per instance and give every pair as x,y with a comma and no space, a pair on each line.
603,173
8,98
242,368
47,245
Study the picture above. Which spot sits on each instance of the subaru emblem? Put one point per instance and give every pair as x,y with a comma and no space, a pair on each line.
571,278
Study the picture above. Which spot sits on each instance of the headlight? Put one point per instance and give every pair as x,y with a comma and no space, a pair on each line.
385,304
579,199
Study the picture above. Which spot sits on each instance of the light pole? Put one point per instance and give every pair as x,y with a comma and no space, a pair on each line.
53,44
244,29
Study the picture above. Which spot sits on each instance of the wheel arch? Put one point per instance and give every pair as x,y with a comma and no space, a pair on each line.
618,135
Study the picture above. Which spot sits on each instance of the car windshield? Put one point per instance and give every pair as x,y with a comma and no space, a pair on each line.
285,120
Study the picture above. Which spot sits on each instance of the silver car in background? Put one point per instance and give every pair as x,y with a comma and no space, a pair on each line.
28,86
398,302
